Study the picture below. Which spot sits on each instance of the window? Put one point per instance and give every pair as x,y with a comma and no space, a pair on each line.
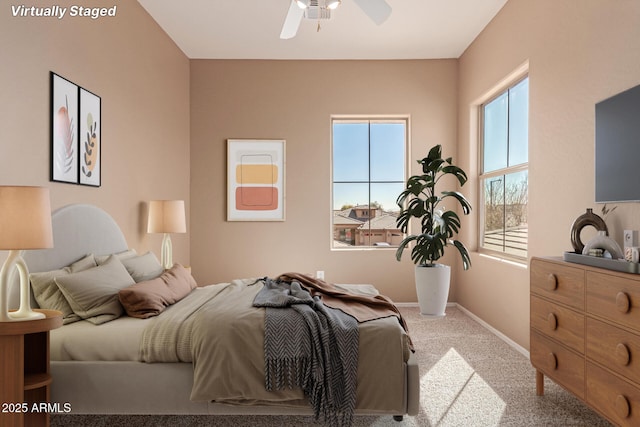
369,163
504,171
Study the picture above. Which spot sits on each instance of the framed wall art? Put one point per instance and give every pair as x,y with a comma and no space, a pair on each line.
64,130
76,143
255,180
90,142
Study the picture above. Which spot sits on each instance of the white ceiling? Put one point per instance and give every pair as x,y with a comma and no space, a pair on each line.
250,29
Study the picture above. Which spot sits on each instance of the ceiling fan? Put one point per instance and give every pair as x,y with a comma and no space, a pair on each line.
377,10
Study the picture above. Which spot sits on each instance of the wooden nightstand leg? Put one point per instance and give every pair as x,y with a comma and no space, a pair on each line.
539,383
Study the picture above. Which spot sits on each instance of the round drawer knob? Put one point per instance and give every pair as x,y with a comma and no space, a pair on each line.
552,360
552,282
552,321
623,355
623,408
622,302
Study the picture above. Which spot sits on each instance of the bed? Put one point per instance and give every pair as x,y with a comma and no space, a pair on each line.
98,369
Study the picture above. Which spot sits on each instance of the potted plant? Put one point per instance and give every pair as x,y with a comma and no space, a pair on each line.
438,226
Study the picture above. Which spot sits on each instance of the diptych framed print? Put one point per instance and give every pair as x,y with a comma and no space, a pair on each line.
75,133
255,180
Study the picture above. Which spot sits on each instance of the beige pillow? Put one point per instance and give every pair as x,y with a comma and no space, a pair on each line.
48,295
150,298
143,267
93,293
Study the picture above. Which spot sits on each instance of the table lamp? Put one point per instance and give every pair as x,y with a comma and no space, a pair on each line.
25,223
166,216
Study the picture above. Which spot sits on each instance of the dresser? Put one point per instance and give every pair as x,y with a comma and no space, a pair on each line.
585,335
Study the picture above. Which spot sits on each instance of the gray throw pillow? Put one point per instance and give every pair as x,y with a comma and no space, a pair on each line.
93,293
143,267
47,293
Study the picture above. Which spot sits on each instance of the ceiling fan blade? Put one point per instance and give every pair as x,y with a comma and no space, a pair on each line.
377,10
292,21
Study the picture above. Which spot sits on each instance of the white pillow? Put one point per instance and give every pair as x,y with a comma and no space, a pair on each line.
93,293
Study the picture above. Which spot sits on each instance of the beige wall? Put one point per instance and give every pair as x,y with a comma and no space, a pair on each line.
579,53
143,80
293,100
166,121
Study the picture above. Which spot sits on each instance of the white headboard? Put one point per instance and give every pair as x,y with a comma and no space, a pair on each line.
78,230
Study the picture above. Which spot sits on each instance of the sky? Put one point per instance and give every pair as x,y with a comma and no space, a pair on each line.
506,128
368,151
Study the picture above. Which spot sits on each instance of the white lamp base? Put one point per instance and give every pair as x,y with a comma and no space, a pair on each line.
17,316
167,252
24,312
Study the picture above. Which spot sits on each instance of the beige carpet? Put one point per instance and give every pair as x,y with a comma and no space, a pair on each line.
469,377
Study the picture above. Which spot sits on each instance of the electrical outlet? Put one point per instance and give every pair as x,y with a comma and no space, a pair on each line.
320,274
630,238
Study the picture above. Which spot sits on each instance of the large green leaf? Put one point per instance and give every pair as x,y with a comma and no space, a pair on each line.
403,245
464,203
455,170
464,253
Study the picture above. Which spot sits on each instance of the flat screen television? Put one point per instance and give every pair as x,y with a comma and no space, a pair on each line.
618,147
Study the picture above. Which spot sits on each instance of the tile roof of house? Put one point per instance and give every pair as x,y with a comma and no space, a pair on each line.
383,222
339,218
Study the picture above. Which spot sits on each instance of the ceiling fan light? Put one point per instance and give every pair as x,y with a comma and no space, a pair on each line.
332,4
303,4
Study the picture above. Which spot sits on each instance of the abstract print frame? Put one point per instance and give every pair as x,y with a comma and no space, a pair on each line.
64,130
90,140
255,180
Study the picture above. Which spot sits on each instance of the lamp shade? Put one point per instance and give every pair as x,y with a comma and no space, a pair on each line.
166,216
25,218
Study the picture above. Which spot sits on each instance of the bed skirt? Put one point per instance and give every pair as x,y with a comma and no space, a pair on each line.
164,389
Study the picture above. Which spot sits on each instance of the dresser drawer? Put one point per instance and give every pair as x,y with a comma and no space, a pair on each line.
615,298
614,348
559,282
558,363
613,397
559,323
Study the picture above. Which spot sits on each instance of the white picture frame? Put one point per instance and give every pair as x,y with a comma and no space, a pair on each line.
256,180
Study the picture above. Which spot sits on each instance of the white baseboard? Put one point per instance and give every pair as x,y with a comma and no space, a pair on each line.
415,304
406,304
496,332
490,328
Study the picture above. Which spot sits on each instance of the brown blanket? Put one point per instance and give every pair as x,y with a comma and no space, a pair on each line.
367,307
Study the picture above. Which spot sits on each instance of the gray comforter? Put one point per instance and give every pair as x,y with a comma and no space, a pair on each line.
217,329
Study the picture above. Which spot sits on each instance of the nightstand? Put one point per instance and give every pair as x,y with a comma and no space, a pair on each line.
24,369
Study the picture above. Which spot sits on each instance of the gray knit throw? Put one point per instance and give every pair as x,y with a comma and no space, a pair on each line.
311,346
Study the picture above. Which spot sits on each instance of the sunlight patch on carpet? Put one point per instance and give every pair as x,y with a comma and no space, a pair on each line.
454,394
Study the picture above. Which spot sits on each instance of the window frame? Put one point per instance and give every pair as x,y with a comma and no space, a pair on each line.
371,119
506,85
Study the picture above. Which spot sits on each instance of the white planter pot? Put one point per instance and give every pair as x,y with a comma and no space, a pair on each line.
432,286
